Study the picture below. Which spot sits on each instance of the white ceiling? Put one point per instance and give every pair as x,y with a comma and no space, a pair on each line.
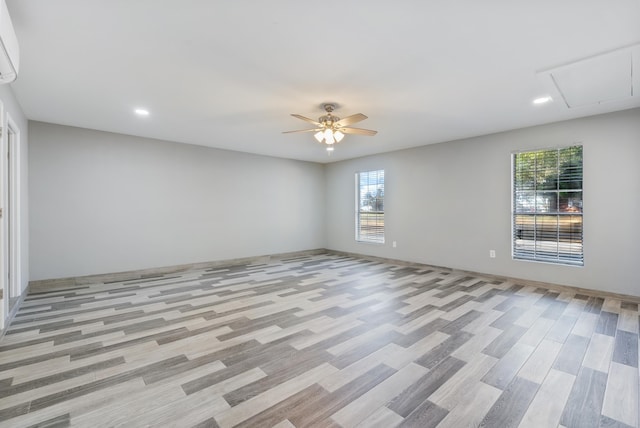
228,74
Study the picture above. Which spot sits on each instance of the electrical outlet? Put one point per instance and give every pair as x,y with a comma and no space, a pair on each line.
394,244
492,254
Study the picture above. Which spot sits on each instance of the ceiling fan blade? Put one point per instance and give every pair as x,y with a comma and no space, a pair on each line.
358,131
354,118
306,119
303,130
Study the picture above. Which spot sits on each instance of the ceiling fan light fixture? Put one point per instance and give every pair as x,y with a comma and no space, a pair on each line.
328,136
330,129
328,133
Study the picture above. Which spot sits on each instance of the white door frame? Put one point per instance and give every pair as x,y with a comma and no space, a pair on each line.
3,279
10,204
13,250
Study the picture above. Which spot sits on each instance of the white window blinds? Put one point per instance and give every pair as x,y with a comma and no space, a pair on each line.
370,206
547,205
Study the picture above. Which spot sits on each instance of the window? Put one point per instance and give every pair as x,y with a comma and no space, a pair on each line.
370,206
547,205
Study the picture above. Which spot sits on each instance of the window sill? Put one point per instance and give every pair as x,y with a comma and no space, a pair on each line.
548,262
370,242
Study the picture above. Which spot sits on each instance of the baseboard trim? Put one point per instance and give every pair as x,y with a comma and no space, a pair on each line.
44,285
79,281
552,286
13,311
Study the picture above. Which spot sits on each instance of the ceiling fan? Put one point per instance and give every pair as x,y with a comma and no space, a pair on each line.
330,129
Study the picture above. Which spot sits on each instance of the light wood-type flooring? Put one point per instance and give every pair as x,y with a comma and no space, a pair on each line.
320,341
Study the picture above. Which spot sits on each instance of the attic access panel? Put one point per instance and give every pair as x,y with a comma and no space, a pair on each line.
595,80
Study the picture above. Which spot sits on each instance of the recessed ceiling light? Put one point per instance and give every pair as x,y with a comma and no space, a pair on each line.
141,112
542,100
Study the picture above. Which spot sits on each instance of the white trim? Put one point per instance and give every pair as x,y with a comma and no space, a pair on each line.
358,189
514,213
14,205
10,201
4,309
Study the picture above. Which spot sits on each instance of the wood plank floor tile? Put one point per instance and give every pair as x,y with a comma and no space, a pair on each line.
621,394
571,354
138,402
273,396
292,367
540,362
512,404
585,325
507,319
416,394
404,356
607,323
315,412
537,332
281,411
351,372
475,345
628,321
599,352
185,411
630,306
606,422
331,331
453,391
503,372
426,415
56,389
529,316
472,407
409,324
484,322
360,409
321,340
546,408
613,305
77,406
17,388
444,349
284,424
383,417
584,405
503,343
625,349
562,328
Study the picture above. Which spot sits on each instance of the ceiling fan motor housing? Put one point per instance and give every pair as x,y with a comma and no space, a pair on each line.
328,120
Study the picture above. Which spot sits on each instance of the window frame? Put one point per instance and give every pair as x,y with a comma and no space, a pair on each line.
378,236
564,258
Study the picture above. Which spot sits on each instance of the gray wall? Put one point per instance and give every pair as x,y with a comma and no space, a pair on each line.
103,202
449,204
14,111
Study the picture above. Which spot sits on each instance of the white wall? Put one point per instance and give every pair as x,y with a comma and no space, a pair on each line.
449,204
13,110
103,202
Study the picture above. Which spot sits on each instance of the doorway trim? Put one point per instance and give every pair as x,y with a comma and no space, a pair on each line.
10,230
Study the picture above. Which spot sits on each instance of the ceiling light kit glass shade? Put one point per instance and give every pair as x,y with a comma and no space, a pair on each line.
329,136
